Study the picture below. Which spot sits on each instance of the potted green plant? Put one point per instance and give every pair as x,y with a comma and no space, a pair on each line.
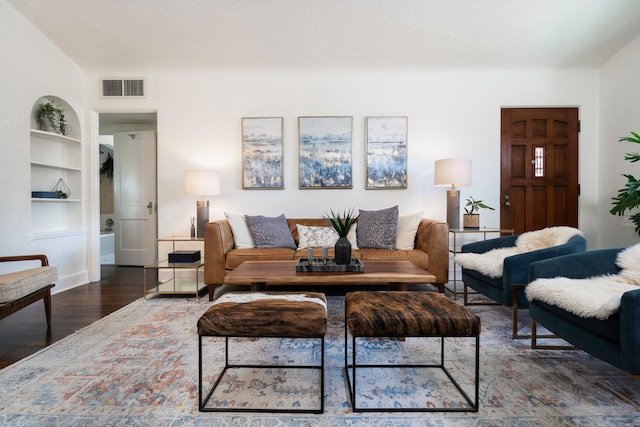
106,168
342,224
471,217
628,197
51,118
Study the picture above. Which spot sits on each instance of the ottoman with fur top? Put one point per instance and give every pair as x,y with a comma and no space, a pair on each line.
263,314
402,314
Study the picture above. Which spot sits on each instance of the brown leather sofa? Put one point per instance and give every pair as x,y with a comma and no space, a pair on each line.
431,250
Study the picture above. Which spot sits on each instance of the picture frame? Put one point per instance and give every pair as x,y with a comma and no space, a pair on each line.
325,152
386,152
262,153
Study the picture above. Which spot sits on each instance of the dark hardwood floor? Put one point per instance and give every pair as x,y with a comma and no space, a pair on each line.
25,332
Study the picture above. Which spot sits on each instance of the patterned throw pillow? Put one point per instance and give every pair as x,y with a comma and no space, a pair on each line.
316,236
269,232
377,229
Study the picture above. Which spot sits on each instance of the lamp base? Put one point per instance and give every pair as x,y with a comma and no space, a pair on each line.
202,216
453,209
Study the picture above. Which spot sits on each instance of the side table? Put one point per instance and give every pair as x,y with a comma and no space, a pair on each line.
179,278
459,238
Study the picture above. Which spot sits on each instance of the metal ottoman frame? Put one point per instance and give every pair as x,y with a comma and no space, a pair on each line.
227,366
351,368
273,315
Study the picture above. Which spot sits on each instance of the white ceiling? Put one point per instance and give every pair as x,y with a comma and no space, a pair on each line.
132,35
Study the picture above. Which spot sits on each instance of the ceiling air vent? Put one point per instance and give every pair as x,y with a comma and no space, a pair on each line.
122,88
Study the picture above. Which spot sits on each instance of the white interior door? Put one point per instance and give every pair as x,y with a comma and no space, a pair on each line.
135,200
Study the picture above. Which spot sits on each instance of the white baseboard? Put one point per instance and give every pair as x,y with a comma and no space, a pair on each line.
70,282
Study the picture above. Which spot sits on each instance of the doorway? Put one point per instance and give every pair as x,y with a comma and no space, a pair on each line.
539,168
111,125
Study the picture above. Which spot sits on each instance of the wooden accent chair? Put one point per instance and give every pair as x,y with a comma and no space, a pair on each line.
21,288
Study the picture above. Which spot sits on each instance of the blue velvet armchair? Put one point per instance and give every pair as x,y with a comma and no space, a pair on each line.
616,339
508,289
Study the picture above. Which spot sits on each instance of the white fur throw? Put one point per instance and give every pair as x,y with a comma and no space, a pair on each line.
490,263
597,296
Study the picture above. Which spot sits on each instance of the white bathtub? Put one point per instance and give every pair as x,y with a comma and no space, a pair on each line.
107,247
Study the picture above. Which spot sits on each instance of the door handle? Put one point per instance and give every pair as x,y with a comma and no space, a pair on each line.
150,207
507,203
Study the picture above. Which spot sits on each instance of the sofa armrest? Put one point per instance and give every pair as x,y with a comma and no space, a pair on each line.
576,266
218,240
630,325
433,238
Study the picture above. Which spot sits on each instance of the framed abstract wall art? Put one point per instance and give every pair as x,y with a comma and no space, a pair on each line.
325,152
262,153
386,151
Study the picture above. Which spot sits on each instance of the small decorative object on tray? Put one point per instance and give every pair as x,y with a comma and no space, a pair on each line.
184,256
329,265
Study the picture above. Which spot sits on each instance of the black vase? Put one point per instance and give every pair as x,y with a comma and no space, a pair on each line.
343,251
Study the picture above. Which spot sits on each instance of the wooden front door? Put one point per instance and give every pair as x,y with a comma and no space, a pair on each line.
539,168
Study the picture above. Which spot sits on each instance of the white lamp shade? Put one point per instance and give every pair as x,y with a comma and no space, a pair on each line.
202,183
452,172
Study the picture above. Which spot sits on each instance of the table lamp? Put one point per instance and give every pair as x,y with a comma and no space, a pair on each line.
454,173
201,184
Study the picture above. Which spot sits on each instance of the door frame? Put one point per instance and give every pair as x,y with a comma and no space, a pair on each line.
92,191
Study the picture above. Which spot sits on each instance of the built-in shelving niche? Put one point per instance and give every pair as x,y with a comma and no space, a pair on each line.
53,157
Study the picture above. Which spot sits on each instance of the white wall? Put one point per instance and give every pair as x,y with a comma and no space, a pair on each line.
619,115
31,67
452,113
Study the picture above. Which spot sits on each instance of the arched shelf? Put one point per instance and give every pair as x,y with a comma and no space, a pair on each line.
55,156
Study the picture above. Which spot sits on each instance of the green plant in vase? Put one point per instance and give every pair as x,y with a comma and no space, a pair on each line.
51,117
628,197
471,217
342,223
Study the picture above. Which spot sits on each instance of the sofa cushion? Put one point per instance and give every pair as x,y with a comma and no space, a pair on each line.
235,257
416,256
378,229
270,232
316,237
609,328
407,229
241,235
478,276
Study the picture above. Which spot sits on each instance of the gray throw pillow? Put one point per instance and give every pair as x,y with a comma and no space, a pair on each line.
377,229
270,232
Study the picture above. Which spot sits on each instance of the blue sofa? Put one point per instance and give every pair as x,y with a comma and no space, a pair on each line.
615,340
515,271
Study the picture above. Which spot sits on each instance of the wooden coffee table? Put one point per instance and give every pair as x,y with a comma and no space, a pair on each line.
396,275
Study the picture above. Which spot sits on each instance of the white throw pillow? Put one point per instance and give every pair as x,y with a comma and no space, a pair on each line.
316,236
241,235
352,237
407,229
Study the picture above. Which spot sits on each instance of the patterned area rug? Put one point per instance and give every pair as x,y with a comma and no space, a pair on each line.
139,366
